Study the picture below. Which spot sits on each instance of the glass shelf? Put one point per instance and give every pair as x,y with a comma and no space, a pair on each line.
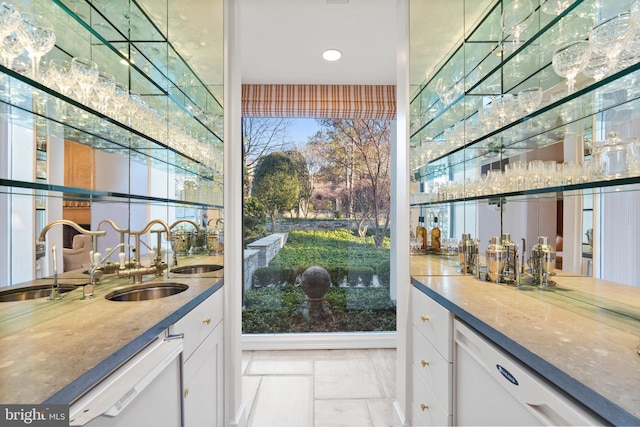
46,191
79,123
487,65
616,97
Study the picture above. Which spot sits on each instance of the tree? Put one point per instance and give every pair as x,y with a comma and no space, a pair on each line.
260,136
254,219
363,150
304,180
275,184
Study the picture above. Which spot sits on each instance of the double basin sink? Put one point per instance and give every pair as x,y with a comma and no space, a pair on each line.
141,292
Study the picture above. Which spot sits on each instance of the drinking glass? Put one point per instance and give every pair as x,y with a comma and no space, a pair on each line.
530,99
516,18
597,67
85,72
10,48
9,19
569,60
105,88
555,7
38,37
612,36
502,106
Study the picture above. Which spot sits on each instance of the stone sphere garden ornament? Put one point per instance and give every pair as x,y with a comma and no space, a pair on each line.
315,282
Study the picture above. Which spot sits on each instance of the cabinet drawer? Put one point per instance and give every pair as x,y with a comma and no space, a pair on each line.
436,371
199,322
433,321
426,409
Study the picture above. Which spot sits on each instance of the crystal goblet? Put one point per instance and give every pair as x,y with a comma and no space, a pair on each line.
597,67
38,37
105,88
10,48
9,19
530,99
555,7
85,72
569,60
611,36
516,18
502,106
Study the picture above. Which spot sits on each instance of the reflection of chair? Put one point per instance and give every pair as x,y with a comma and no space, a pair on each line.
78,255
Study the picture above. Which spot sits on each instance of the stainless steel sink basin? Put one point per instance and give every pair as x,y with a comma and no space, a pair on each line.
146,291
196,269
32,292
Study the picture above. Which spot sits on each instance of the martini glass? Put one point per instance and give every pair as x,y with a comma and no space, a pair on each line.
38,37
569,60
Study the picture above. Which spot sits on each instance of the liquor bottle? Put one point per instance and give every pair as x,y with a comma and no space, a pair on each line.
421,233
435,235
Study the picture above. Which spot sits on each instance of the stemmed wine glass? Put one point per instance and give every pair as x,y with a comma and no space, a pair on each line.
530,99
555,7
502,107
516,18
105,88
10,48
569,60
85,72
597,67
9,19
38,37
612,36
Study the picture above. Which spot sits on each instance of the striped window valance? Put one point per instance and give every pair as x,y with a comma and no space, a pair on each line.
320,101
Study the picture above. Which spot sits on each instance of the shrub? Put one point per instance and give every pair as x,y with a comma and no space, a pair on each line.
383,270
269,276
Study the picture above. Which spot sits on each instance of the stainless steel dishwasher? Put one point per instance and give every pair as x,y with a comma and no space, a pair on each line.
145,391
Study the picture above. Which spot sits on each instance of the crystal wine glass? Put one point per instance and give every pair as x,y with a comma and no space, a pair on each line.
530,99
105,88
9,19
10,48
502,106
85,72
38,38
611,36
569,60
516,18
555,7
597,67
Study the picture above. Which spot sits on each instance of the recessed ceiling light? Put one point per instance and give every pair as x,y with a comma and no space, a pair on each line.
331,55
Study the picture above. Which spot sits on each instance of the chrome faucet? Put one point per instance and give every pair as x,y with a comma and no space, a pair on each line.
41,238
122,232
172,226
138,271
95,274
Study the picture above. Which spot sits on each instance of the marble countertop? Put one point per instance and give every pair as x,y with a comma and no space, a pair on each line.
53,351
581,334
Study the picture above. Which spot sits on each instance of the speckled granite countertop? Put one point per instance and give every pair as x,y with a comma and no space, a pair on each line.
582,334
53,351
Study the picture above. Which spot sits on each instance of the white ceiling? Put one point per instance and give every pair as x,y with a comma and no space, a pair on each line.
282,40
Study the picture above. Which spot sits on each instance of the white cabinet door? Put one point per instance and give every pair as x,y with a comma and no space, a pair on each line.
492,388
203,381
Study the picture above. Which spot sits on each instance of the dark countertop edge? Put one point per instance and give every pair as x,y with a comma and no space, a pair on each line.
574,389
92,377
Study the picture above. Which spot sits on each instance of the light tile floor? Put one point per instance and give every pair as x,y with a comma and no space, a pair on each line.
319,388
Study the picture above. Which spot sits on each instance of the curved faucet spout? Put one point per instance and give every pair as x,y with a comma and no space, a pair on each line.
188,221
113,224
71,224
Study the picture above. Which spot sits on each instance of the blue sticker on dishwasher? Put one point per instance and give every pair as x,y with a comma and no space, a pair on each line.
507,374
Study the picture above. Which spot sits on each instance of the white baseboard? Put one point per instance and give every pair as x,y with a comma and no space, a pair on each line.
319,341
